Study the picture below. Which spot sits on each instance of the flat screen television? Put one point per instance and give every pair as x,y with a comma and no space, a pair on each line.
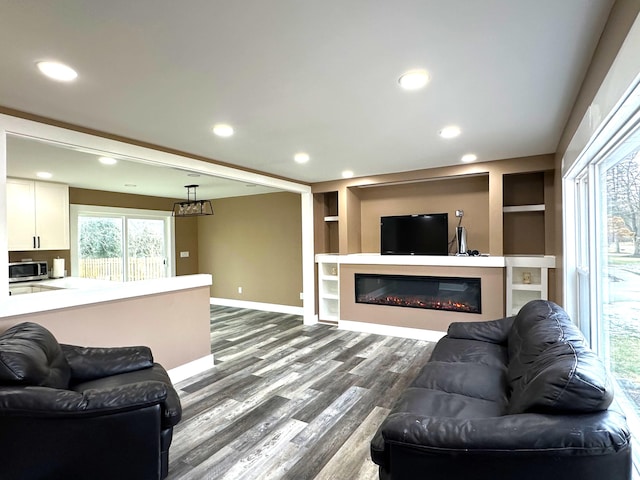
424,234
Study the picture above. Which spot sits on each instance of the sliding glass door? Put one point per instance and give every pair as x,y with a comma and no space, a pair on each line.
121,244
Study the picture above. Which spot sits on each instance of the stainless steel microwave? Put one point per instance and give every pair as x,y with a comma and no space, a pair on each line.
24,271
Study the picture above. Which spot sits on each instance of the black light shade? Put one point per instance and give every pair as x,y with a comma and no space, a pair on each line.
192,207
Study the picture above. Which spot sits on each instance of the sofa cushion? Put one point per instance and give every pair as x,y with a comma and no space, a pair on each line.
31,356
435,403
476,380
469,351
538,325
564,378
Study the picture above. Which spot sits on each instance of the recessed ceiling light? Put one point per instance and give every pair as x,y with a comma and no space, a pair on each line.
450,132
223,130
414,79
301,157
44,175
469,157
347,174
107,161
57,71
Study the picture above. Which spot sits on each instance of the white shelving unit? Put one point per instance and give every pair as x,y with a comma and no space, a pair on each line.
527,279
328,289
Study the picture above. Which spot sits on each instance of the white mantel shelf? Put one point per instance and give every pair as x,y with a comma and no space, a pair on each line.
428,260
79,291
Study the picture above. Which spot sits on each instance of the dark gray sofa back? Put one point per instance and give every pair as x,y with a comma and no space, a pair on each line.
31,356
551,368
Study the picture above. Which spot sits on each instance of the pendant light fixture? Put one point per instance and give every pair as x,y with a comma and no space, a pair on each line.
192,207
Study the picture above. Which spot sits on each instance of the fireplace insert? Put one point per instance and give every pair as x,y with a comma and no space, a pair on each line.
456,294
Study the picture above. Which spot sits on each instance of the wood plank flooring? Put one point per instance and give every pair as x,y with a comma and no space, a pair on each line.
288,401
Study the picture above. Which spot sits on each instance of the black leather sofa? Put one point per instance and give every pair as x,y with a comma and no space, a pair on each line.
517,398
69,412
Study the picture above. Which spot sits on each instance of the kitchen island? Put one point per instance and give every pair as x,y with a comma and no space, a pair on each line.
170,315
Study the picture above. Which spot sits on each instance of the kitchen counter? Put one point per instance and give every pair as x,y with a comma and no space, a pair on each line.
169,315
67,283
76,291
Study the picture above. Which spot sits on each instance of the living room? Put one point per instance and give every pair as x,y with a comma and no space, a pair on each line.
293,218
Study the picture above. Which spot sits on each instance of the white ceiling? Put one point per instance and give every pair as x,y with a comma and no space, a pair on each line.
314,76
82,169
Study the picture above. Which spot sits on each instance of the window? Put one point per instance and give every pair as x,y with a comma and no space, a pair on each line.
121,244
602,220
618,264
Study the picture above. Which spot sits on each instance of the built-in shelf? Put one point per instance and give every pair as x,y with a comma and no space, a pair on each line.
328,288
527,279
526,216
523,208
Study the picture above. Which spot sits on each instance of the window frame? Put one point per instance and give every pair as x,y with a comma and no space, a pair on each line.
605,146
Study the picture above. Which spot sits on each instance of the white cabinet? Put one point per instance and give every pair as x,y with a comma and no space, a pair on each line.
328,289
37,215
527,279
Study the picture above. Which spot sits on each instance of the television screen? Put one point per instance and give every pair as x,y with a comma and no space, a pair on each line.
424,234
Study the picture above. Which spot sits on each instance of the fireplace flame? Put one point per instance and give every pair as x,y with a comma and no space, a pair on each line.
418,302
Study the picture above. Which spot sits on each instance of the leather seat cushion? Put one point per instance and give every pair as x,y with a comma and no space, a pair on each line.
476,380
469,351
439,404
31,356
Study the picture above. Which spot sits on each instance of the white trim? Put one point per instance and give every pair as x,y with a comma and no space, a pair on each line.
266,307
390,331
308,267
425,260
190,369
4,239
71,138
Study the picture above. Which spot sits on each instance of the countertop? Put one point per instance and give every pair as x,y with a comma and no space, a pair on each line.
67,283
75,291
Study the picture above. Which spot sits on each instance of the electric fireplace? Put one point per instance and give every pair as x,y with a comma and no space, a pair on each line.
455,294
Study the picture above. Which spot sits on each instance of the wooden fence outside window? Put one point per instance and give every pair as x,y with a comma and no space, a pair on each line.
144,268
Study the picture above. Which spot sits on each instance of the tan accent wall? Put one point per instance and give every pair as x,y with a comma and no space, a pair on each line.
492,297
254,242
186,229
438,196
175,325
186,241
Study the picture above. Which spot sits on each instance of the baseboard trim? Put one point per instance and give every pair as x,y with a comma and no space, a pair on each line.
267,307
391,331
190,369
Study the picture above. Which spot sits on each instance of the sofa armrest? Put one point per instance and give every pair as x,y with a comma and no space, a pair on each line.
492,331
89,363
51,402
595,434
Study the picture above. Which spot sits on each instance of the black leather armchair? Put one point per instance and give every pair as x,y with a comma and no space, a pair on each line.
69,412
